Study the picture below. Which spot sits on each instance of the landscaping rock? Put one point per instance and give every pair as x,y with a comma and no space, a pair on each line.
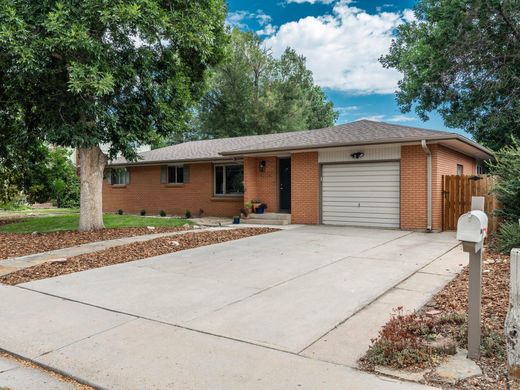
444,345
59,260
150,227
415,376
176,243
457,367
433,313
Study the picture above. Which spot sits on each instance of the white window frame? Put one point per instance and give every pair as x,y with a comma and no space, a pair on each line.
460,169
224,194
119,173
176,173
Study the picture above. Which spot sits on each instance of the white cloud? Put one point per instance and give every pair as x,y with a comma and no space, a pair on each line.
239,18
311,1
346,109
401,118
391,118
343,48
268,30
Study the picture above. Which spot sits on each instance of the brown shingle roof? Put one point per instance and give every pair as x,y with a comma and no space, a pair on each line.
354,133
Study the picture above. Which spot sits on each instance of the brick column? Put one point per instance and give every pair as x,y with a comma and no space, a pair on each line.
305,188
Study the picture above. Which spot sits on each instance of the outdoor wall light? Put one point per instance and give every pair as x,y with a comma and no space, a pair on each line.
261,166
357,155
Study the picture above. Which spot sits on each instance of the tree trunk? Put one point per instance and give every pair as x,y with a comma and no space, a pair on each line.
92,165
512,325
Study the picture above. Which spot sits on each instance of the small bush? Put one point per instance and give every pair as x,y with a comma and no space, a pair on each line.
143,212
188,214
120,211
162,213
403,342
507,237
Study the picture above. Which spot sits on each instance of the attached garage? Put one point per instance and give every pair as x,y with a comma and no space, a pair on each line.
361,194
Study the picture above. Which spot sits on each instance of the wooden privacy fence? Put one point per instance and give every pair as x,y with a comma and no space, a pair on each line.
457,192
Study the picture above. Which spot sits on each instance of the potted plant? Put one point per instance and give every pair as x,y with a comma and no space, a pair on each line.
255,204
248,207
261,208
244,212
236,220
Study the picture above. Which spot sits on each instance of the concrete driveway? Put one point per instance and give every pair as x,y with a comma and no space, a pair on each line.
240,314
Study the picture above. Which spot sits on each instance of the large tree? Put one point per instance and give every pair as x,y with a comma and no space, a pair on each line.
82,73
462,58
253,92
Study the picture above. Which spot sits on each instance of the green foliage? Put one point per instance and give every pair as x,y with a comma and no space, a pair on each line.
506,168
143,212
71,221
162,213
120,212
254,93
42,175
82,73
507,237
462,59
188,214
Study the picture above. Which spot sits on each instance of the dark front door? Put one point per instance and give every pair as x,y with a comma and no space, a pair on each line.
284,177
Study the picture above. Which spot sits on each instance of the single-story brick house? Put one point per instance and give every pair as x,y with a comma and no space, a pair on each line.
362,173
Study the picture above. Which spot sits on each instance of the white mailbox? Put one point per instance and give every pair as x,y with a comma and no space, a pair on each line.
472,230
472,227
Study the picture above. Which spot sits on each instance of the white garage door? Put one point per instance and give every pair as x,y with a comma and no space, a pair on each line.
361,194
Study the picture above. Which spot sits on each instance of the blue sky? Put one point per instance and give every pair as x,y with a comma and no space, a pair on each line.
342,41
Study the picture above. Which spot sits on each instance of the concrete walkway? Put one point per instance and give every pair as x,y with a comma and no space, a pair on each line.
14,375
275,311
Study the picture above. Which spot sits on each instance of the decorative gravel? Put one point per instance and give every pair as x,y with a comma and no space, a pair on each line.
20,244
130,252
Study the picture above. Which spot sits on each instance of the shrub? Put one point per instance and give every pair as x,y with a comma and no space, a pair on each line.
188,214
507,237
162,213
143,212
120,211
403,342
506,168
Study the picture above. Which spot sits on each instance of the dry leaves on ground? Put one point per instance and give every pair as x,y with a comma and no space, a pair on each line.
130,252
19,244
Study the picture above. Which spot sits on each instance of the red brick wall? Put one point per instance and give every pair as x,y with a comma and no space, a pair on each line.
444,161
305,188
413,187
261,186
145,191
413,182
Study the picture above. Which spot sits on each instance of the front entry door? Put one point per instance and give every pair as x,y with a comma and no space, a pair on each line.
284,177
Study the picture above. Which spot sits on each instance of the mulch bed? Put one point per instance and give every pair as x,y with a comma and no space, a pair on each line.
495,302
452,301
130,252
22,244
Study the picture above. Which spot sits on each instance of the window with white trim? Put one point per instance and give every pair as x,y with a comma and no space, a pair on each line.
175,174
119,176
460,170
229,180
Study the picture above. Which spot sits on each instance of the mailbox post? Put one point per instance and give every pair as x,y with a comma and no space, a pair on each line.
472,230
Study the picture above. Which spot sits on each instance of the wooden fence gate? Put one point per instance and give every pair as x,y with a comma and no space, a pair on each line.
457,192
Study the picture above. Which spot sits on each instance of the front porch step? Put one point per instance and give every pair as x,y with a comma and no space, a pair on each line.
268,219
264,221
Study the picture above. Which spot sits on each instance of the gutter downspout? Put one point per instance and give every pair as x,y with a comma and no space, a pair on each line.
428,184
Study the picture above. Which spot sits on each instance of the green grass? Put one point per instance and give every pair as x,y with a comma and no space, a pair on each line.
71,221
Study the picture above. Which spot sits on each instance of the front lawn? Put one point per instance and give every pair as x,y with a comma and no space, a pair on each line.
71,221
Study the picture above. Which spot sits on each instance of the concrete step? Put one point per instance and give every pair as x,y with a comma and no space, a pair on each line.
265,221
277,216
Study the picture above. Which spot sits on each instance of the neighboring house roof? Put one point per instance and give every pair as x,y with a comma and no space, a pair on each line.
361,132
